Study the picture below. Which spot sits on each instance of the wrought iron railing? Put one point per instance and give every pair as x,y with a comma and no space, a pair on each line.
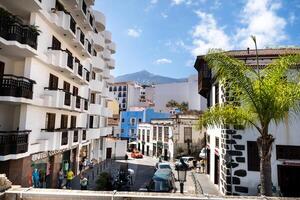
13,142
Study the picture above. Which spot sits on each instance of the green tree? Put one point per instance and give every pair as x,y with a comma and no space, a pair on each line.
104,182
172,104
262,96
184,106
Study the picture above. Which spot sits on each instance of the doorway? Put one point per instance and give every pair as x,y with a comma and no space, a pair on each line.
108,153
1,68
147,151
217,169
143,149
166,154
288,180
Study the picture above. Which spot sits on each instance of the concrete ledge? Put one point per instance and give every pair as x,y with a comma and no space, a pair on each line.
51,194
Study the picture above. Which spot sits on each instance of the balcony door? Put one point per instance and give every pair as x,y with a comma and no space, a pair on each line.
53,82
66,86
1,68
56,44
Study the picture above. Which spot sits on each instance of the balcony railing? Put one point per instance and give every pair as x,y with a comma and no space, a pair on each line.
16,86
13,142
12,29
64,138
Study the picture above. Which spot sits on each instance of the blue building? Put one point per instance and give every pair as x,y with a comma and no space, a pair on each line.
130,120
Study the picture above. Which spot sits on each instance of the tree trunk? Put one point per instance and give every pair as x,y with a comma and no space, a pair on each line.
264,144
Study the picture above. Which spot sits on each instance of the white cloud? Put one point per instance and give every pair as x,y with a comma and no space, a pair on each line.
292,18
164,15
260,19
153,1
187,2
134,32
163,61
257,17
207,34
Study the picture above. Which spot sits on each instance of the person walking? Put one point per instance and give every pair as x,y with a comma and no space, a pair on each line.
60,178
83,182
36,178
70,176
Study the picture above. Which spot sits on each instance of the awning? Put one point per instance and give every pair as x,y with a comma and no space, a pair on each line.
134,142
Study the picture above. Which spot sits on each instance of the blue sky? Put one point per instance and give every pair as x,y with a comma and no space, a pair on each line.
164,36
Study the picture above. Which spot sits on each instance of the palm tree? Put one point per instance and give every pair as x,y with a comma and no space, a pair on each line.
260,97
172,104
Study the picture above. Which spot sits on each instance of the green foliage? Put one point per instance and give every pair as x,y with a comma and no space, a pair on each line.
264,95
172,104
104,182
184,106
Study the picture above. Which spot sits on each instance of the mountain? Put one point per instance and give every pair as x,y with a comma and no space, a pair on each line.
146,78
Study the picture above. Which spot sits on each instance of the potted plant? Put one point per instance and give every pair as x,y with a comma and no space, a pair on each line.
30,33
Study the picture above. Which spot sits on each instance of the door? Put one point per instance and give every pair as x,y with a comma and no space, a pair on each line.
288,180
217,169
208,161
143,149
1,68
165,154
108,153
147,150
91,121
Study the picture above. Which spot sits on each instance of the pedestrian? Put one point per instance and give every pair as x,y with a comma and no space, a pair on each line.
202,164
131,173
83,182
60,178
35,178
80,166
70,176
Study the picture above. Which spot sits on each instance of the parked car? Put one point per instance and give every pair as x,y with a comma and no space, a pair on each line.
202,153
188,160
136,154
162,181
163,165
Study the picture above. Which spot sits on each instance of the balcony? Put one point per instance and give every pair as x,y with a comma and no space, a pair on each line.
79,41
13,142
112,47
106,55
77,103
16,86
16,39
58,98
61,60
98,64
86,77
106,112
107,36
98,41
111,63
65,24
70,4
87,52
81,10
90,2
20,8
106,74
95,109
93,133
78,72
99,20
105,92
96,85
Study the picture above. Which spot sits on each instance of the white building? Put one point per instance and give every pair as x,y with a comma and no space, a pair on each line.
240,144
54,86
170,137
180,92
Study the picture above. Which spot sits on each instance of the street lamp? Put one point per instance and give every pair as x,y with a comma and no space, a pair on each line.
181,172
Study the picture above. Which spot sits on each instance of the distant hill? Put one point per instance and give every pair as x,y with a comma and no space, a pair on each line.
146,78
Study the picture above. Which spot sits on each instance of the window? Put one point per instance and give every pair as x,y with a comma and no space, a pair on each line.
159,133
75,138
187,134
148,135
143,135
287,152
120,88
110,89
154,132
56,45
84,135
140,120
131,132
64,138
122,130
64,121
93,75
50,121
93,98
217,142
216,93
75,91
166,134
132,121
53,82
73,122
123,120
253,157
208,139
66,86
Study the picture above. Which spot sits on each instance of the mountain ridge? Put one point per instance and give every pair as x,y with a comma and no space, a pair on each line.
144,77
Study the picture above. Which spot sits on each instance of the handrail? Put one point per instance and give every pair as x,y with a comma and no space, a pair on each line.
48,88
18,77
17,132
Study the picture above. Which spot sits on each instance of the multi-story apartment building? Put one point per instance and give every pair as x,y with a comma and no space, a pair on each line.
180,92
55,63
130,94
131,119
171,137
242,175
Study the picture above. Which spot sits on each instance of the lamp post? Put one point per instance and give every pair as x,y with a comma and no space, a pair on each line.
181,172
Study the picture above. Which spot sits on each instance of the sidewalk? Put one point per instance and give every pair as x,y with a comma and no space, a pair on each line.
206,186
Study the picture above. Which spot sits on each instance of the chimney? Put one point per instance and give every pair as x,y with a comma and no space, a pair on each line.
248,50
